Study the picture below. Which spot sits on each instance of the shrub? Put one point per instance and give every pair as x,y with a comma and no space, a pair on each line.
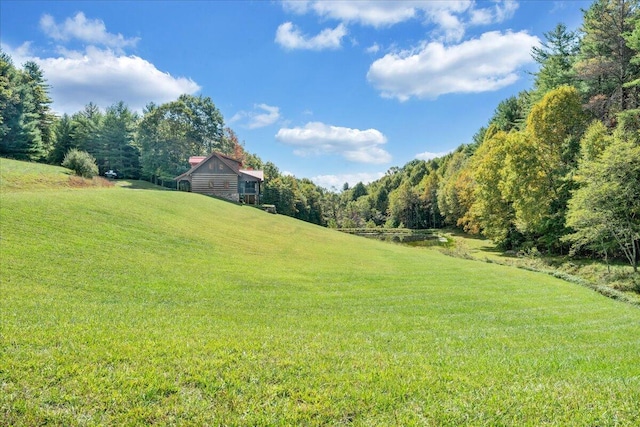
81,162
457,249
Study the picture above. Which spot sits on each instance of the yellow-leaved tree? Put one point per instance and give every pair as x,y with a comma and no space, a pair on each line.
492,210
538,165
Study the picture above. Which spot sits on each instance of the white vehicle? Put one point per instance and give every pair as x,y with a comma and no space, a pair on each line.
111,174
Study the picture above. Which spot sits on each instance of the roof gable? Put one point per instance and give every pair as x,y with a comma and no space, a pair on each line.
230,162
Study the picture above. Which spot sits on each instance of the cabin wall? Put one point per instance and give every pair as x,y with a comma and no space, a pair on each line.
215,178
220,185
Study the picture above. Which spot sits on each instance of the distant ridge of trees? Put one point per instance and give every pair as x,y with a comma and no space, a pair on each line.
556,168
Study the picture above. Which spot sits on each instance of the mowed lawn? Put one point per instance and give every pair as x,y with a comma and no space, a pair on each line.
138,307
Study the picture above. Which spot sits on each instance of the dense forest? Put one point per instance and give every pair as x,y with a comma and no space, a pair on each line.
556,169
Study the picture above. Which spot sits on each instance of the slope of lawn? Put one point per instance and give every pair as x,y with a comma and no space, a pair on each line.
615,279
123,307
25,176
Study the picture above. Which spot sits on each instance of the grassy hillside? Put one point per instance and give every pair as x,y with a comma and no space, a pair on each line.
124,307
24,176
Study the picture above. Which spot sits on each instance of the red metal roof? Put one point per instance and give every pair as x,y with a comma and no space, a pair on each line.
194,160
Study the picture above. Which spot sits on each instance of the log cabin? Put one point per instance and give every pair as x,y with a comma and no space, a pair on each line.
222,176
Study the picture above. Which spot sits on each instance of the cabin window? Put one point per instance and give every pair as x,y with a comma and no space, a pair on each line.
211,165
210,183
226,185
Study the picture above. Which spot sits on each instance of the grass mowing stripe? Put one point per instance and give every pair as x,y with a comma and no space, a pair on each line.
139,307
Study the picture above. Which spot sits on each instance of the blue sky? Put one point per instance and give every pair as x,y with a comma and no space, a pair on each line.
335,91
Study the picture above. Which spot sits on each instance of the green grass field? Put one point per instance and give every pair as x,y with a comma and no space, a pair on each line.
140,307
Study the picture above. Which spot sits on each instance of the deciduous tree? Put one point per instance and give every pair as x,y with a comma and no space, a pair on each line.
170,133
537,166
456,189
606,207
492,209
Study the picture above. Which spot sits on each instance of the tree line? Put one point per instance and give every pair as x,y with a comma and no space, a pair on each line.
556,168
154,146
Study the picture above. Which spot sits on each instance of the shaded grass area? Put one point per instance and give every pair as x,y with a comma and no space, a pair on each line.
134,184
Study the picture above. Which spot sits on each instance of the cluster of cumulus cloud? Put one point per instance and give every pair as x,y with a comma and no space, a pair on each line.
100,71
441,64
444,62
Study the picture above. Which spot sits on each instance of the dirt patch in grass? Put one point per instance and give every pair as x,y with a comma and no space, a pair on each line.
96,181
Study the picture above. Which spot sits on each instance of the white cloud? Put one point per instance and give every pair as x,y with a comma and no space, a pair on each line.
500,12
20,54
299,7
337,181
269,117
485,64
428,155
374,48
290,37
101,73
315,138
373,13
449,17
104,77
265,116
92,31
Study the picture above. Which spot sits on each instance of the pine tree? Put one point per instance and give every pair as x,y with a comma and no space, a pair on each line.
64,141
605,64
41,104
117,134
556,57
26,126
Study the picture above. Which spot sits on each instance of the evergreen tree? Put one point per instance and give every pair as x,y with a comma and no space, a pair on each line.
556,57
605,64
26,124
64,141
9,103
87,125
41,104
358,191
118,150
511,113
